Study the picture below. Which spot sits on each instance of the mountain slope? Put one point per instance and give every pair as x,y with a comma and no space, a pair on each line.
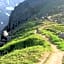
29,46
6,7
32,9
38,8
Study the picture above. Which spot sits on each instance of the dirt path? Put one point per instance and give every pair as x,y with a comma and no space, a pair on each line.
56,56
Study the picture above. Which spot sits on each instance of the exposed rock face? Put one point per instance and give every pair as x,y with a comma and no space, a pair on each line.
32,8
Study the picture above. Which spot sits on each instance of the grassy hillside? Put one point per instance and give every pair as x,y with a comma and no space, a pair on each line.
28,55
28,46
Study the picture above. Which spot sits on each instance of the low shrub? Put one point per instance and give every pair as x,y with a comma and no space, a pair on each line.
32,40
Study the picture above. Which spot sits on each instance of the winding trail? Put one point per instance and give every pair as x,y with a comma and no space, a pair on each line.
56,56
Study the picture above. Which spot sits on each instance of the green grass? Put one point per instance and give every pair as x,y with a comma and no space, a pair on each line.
54,39
27,47
32,40
57,27
24,28
28,55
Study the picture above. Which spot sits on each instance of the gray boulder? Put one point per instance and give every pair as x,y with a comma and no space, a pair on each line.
61,35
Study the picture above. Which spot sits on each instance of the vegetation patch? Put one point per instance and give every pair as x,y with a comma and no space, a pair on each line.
32,40
28,55
54,39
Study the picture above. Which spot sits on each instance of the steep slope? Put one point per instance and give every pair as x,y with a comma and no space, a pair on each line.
26,47
32,9
30,47
6,6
